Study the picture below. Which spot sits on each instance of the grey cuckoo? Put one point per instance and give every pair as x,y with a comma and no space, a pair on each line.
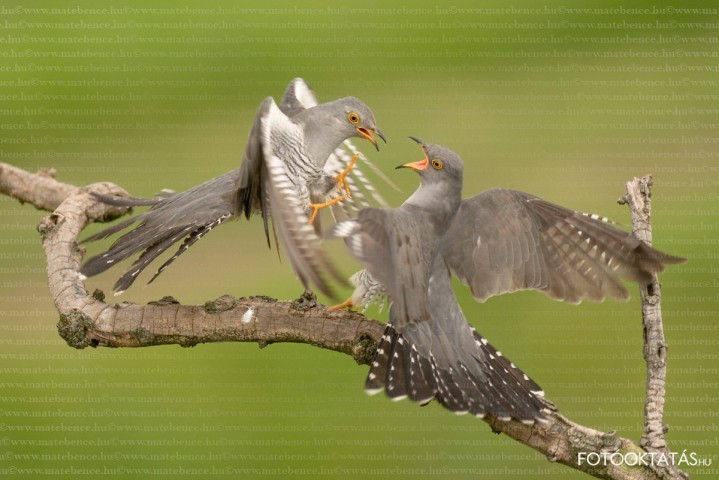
502,241
497,242
281,176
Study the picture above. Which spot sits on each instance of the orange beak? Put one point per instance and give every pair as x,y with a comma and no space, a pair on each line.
417,166
368,135
422,164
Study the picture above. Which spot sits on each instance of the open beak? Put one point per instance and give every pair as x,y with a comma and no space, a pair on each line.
422,164
368,135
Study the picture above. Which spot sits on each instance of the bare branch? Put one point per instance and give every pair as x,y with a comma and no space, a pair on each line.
655,348
39,189
86,320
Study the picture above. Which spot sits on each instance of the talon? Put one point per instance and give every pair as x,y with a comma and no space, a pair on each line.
317,206
348,304
315,209
341,182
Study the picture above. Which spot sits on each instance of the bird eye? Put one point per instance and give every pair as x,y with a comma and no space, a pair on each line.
353,117
437,164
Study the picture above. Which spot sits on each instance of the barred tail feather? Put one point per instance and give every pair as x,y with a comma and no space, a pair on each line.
110,231
400,371
492,386
378,370
150,254
190,240
508,367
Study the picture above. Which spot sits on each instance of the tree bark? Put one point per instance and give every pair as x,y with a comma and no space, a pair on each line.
639,199
86,320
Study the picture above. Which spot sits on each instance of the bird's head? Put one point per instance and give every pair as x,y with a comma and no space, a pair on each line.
358,121
440,164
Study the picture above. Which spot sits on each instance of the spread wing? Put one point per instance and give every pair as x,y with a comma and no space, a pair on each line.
429,351
187,216
302,246
503,240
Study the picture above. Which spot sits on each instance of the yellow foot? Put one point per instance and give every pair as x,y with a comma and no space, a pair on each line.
341,182
316,206
346,304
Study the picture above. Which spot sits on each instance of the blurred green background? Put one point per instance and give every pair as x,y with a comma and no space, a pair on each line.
565,103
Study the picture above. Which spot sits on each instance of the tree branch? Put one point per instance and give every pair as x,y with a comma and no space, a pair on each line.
655,348
40,189
86,320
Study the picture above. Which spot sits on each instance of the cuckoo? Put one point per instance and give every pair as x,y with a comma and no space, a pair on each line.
496,242
281,176
503,241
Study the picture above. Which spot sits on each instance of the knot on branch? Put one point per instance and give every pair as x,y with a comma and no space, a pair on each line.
47,225
611,442
73,326
144,336
307,301
220,304
166,300
364,348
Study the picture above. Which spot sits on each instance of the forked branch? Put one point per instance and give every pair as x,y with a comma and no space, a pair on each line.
86,320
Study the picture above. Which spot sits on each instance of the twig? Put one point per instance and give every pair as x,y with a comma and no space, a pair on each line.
39,189
655,348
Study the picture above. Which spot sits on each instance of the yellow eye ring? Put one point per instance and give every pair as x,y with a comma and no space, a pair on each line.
437,164
353,117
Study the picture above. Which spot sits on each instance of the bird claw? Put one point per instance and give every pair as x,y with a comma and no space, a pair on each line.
347,304
341,182
317,206
341,185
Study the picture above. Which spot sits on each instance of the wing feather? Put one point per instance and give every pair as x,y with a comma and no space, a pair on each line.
503,240
194,212
298,238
